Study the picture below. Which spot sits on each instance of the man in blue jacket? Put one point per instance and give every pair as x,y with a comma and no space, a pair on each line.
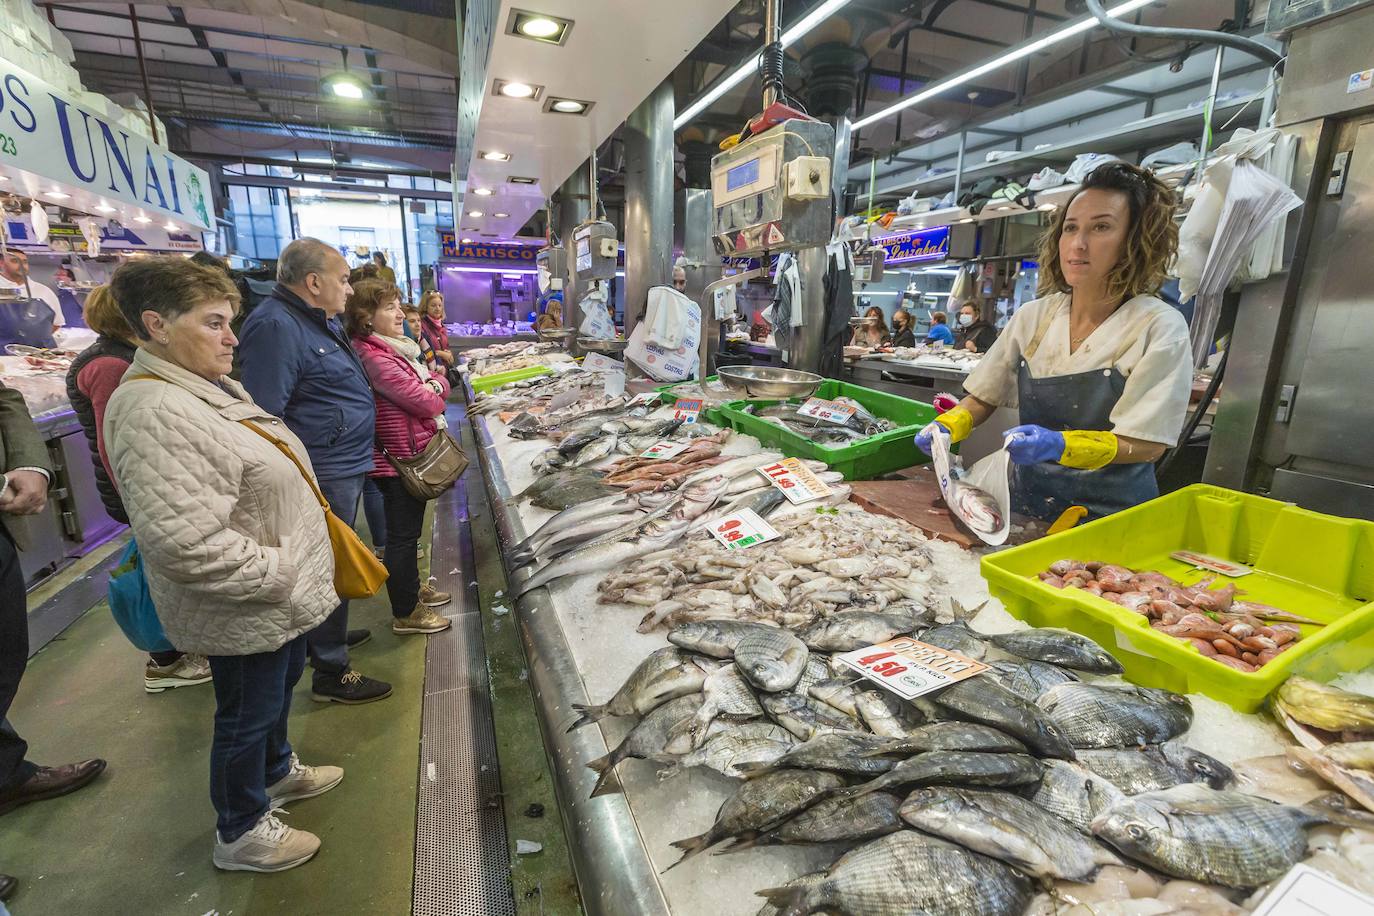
297,364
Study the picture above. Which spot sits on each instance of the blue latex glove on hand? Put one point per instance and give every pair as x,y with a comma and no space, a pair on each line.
924,438
1033,444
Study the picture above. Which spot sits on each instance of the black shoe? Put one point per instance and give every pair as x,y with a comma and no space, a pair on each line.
7,886
50,782
356,638
350,688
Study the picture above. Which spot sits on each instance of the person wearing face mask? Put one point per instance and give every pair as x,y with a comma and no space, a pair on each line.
1099,366
680,279
973,334
902,333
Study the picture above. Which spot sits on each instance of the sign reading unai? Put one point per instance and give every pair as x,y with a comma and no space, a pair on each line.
48,136
910,247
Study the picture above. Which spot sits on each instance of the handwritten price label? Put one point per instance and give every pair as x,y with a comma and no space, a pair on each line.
743,529
687,409
909,667
829,411
1215,564
795,480
665,449
647,397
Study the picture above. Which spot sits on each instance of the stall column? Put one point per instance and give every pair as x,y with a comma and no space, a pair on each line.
648,201
573,202
806,343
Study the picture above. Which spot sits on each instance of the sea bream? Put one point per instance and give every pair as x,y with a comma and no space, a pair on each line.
833,820
648,739
1100,715
1153,767
664,675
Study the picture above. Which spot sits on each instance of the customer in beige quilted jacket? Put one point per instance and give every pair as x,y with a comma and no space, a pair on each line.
233,540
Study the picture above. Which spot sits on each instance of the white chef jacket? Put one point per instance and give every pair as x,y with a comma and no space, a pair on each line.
1146,340
40,292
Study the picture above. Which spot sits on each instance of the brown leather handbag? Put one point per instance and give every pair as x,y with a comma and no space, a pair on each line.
357,571
430,473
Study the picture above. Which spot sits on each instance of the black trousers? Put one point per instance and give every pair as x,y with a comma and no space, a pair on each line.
405,516
14,656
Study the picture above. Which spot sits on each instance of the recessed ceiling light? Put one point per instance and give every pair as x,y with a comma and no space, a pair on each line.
521,179
57,195
483,192
142,219
501,215
568,106
539,27
171,226
514,89
104,208
475,214
466,241
494,156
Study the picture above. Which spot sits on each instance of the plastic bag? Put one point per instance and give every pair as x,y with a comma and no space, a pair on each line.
1083,164
1045,179
982,499
131,604
1178,154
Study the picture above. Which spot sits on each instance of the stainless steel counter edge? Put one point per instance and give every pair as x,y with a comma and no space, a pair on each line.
614,871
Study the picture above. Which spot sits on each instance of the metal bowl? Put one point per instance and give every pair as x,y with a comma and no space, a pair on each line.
559,334
769,381
599,345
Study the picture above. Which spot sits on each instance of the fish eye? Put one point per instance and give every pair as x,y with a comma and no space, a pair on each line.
1135,832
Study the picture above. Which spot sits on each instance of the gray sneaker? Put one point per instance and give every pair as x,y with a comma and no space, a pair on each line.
303,782
270,846
187,671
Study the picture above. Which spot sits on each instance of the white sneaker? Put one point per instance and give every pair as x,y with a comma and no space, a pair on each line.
303,782
186,671
270,846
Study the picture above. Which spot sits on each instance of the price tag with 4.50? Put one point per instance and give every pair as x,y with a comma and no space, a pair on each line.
742,529
909,667
795,480
687,409
829,411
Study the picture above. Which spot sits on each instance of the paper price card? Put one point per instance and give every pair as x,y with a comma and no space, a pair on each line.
1304,891
1215,564
665,449
687,409
910,668
646,397
742,529
795,480
829,411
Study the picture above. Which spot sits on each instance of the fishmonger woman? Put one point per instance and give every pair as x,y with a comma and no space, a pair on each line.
1099,367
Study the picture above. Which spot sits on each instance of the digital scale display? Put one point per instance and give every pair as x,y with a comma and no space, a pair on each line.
742,175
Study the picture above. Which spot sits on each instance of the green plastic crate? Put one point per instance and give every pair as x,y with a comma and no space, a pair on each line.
711,415
488,382
1314,565
871,457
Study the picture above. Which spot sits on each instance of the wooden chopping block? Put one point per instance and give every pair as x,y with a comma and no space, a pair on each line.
916,500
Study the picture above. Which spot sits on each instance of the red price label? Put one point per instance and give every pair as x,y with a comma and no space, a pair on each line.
742,529
795,480
909,667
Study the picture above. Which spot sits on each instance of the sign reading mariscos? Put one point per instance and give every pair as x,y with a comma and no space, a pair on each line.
45,134
483,251
926,245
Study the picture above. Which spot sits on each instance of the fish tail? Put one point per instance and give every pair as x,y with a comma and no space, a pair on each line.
754,767
606,781
691,846
1335,808
586,716
788,901
742,843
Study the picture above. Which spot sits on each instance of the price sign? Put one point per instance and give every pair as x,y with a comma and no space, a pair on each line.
742,529
665,449
795,480
1215,564
829,411
646,397
1309,892
687,409
910,668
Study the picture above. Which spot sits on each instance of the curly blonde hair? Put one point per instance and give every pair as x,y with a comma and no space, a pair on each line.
1151,241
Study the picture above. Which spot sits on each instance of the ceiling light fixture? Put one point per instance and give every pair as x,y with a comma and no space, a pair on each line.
513,89
171,226
142,219
57,195
1012,55
466,241
483,192
344,85
501,215
521,179
494,156
475,214
751,67
539,27
104,208
567,106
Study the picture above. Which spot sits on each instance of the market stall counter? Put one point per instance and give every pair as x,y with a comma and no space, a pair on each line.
595,621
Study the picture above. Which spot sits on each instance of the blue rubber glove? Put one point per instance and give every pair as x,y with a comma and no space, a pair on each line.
924,438
1033,444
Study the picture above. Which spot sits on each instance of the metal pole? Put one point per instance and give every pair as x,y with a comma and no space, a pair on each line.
959,167
572,198
772,31
143,72
591,186
648,201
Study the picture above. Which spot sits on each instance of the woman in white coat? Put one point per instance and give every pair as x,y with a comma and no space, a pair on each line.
233,540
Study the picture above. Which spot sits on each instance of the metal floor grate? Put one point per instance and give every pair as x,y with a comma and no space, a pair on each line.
462,857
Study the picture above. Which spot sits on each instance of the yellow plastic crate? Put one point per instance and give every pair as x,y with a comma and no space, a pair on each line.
1317,566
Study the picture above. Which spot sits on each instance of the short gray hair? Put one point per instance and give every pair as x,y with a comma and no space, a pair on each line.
301,258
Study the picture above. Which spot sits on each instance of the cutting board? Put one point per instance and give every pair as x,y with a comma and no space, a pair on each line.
915,499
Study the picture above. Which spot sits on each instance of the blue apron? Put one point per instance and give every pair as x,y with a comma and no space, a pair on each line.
1081,400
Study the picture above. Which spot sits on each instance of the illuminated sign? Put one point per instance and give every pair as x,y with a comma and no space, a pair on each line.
485,251
909,247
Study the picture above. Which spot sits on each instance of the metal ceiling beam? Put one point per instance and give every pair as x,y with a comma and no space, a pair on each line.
315,168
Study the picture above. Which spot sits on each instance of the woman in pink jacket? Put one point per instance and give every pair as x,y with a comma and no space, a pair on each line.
410,411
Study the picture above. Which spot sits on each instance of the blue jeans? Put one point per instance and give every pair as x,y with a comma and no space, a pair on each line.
328,642
250,751
374,510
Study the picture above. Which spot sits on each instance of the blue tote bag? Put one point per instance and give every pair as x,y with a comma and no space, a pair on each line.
132,604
